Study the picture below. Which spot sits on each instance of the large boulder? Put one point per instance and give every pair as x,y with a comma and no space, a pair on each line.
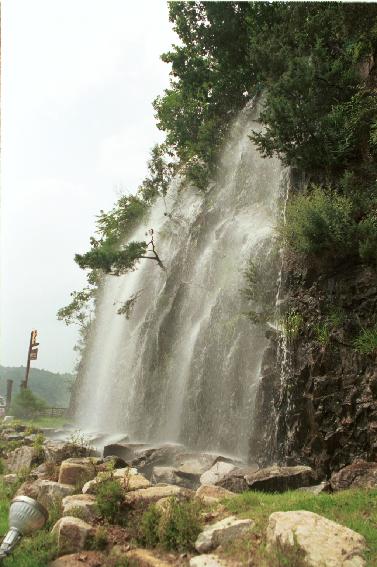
221,532
47,492
325,543
77,471
280,479
125,451
211,494
72,534
360,474
235,481
22,459
81,506
151,495
217,472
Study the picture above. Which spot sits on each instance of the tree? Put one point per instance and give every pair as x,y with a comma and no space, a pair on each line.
27,405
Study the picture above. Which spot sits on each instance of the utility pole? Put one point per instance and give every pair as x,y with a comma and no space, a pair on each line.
9,394
31,355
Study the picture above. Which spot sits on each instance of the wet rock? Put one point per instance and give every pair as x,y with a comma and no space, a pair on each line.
221,532
22,459
82,559
280,479
235,481
211,494
125,451
361,474
77,471
325,543
72,534
81,506
207,561
217,472
150,495
59,451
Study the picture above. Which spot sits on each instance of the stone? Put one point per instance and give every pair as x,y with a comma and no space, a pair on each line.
125,451
146,558
59,451
211,494
76,471
51,493
280,479
82,506
360,474
150,495
128,477
22,459
166,475
325,543
316,489
72,534
82,559
207,561
217,472
221,532
235,480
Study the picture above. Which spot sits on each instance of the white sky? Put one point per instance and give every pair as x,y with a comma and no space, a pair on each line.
78,79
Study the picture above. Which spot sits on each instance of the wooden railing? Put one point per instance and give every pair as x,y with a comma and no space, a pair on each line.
53,412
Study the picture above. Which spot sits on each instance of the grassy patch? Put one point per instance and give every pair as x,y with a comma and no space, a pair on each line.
55,422
366,342
356,509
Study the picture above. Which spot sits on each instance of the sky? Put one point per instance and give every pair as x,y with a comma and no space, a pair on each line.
78,80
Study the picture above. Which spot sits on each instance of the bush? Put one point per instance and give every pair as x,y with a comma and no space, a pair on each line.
27,405
175,528
320,222
110,500
292,325
366,342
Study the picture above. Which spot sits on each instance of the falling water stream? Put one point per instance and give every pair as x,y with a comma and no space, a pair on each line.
184,367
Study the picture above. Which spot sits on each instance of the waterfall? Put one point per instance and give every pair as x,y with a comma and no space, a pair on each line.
184,367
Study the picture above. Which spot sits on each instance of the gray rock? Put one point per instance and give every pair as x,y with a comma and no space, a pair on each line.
51,493
280,479
72,534
325,543
217,472
317,488
22,459
211,494
235,481
221,532
361,474
81,506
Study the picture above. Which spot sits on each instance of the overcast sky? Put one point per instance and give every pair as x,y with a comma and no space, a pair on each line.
78,79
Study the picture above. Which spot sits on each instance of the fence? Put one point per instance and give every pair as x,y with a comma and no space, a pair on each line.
53,412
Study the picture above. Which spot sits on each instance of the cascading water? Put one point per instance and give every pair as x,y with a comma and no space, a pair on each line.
184,367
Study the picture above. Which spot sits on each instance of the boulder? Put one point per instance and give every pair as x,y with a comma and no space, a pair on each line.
77,471
217,472
280,479
22,459
221,532
145,558
316,488
167,475
59,451
207,561
128,477
72,534
325,543
51,493
151,495
82,559
211,494
360,474
235,481
125,451
82,506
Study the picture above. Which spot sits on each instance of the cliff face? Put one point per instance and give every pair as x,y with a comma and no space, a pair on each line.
322,410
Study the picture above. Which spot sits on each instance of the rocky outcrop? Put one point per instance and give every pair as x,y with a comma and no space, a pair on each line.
81,506
317,396
77,471
358,475
325,543
221,532
21,459
151,495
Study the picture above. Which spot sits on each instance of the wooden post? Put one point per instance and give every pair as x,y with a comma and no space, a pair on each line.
31,355
9,394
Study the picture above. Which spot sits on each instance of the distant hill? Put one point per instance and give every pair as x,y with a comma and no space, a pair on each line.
52,387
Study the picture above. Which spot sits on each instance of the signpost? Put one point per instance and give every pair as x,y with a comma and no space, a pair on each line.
31,355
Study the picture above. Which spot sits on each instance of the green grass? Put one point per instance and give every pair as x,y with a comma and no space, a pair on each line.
356,509
55,422
366,342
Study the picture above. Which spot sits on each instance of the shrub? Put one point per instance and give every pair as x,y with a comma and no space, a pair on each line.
319,222
175,528
27,405
110,500
292,325
368,238
366,342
